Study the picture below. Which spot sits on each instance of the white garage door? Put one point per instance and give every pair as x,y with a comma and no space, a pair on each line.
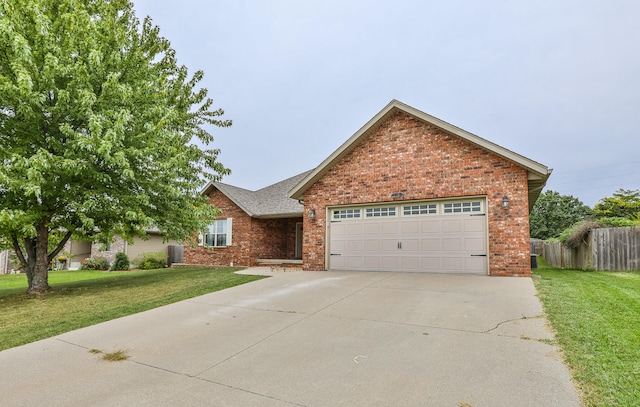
443,237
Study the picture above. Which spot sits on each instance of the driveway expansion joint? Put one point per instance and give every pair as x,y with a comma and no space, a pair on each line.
306,316
196,377
248,391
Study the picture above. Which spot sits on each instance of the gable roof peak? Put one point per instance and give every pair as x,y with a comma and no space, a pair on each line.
538,173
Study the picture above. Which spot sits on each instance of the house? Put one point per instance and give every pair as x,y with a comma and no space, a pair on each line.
407,192
76,251
79,250
153,242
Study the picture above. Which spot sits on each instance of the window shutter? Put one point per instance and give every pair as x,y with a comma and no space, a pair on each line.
200,239
229,230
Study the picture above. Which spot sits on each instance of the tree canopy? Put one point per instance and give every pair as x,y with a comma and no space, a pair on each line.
100,129
552,213
624,203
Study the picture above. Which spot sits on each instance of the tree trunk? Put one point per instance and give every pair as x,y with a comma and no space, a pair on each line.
38,266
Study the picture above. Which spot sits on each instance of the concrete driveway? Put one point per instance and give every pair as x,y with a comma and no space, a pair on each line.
310,339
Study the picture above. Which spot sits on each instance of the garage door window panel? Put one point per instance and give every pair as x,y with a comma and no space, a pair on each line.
346,213
462,207
423,209
380,212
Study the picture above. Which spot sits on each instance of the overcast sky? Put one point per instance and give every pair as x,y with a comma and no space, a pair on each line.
556,81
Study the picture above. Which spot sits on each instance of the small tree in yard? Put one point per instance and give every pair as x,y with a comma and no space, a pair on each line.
96,127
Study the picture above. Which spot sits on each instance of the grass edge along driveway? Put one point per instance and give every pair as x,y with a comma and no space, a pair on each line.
85,298
596,316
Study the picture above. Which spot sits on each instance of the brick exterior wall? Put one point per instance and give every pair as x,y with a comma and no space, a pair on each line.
252,238
117,246
407,155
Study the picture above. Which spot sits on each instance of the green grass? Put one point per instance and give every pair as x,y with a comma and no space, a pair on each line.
596,316
84,298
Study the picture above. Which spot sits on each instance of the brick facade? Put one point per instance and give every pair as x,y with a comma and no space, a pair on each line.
109,251
405,154
252,238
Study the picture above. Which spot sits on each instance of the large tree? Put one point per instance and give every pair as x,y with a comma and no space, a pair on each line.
624,203
552,213
99,130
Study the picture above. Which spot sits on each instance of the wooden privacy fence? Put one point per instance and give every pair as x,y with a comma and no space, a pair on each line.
604,249
536,246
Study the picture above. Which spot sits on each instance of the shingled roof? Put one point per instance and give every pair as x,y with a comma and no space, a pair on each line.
269,202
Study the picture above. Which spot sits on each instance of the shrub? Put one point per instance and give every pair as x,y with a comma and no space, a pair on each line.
616,222
95,263
121,262
574,236
152,260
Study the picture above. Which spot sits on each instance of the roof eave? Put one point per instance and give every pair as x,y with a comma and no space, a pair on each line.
207,190
279,215
297,192
536,184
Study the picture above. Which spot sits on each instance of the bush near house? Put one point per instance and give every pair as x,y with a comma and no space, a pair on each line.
152,260
121,262
95,263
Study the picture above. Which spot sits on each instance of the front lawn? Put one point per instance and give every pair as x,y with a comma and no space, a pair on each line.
596,316
84,298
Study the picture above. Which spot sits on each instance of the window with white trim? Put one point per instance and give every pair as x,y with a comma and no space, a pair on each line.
422,209
382,211
346,213
218,234
463,207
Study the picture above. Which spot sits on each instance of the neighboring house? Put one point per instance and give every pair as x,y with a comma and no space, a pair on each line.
79,250
153,243
407,192
76,250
